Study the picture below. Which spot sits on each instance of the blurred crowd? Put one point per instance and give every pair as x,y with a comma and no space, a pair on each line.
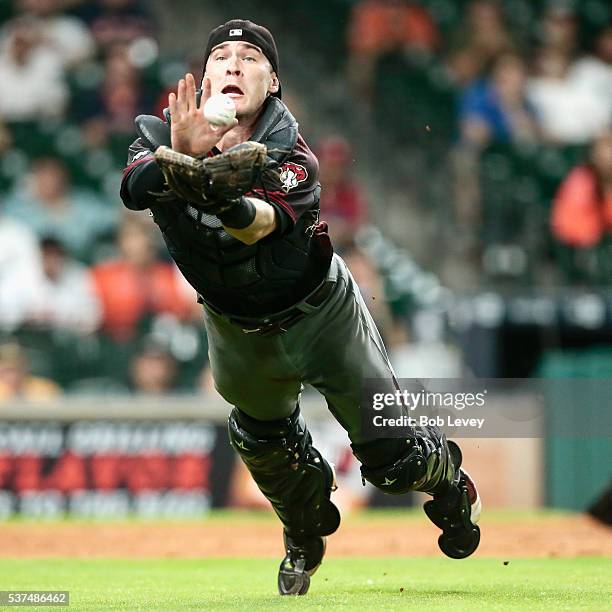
520,95
87,288
87,298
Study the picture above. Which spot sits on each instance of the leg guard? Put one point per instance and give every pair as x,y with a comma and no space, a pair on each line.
419,463
456,512
428,463
289,471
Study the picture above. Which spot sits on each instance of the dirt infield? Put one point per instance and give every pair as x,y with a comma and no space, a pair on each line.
550,537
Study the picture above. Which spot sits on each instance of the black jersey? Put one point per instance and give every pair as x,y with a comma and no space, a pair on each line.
238,279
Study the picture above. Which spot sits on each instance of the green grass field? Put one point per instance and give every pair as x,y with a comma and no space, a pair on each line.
340,584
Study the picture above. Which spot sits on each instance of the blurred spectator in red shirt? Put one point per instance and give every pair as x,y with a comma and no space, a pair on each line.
136,284
479,41
582,210
343,205
378,27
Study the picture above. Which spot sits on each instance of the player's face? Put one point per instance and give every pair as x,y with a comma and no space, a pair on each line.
243,72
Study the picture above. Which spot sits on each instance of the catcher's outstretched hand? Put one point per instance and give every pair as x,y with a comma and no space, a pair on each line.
191,133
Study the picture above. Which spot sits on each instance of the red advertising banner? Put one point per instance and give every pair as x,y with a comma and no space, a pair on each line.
112,468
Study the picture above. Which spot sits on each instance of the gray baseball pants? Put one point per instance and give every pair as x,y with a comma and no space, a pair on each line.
334,349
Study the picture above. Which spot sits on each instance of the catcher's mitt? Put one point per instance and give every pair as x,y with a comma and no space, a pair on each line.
213,183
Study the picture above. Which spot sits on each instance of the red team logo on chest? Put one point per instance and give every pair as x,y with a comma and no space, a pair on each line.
291,175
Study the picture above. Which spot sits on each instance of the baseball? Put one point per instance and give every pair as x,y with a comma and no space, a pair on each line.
219,110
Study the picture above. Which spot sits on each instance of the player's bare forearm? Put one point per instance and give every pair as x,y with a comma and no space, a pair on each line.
263,224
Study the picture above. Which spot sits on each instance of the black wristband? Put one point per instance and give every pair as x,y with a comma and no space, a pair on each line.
240,215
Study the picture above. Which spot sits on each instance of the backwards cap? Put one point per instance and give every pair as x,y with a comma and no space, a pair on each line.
247,31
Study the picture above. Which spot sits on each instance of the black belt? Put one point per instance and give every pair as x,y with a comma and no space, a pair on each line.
280,322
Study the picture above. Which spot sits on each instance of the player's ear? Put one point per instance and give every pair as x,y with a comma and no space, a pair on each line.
274,84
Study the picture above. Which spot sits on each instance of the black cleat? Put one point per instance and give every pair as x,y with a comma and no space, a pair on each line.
302,560
456,512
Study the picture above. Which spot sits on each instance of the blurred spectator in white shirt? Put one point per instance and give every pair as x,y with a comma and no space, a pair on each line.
593,73
19,262
32,75
573,101
65,34
60,295
50,205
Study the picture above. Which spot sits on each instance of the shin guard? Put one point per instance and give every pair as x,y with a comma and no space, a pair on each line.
397,465
289,471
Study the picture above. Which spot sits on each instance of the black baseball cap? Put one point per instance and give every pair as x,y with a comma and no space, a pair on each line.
247,31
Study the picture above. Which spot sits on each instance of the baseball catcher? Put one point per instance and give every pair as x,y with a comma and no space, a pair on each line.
237,203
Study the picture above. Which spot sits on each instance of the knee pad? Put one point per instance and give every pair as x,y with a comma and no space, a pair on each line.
398,465
289,471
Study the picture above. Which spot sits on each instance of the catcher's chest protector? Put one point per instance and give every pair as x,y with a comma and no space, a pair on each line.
239,279
248,280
